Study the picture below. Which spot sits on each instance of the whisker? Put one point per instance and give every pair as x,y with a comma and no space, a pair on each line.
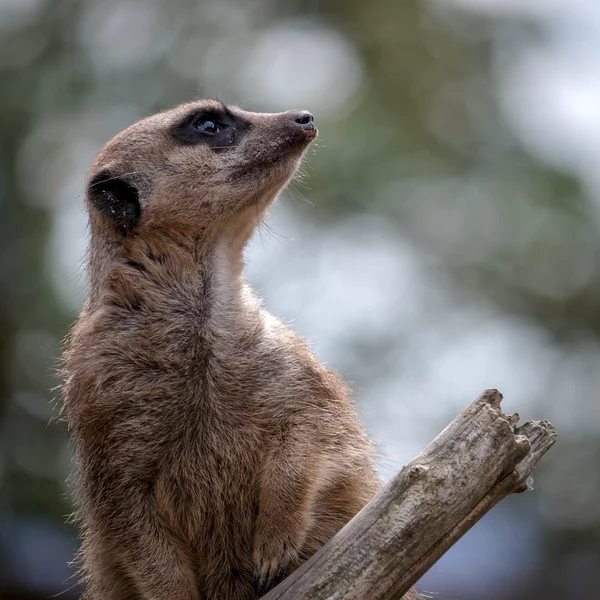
298,195
258,227
273,234
115,177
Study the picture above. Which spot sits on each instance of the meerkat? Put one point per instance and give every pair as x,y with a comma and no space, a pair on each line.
214,453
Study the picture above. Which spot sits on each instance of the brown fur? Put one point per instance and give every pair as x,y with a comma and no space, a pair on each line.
211,445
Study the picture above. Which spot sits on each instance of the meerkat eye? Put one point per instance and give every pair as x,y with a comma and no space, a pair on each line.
214,127
209,127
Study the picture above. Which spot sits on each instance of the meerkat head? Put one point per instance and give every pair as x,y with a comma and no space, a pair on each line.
199,170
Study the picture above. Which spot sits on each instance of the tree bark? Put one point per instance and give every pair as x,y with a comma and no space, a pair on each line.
477,460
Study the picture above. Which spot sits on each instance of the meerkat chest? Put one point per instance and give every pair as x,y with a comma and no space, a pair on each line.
208,480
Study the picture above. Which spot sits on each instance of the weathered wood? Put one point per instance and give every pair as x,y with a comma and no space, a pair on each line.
468,468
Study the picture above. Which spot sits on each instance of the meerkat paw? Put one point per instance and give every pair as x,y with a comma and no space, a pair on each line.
272,559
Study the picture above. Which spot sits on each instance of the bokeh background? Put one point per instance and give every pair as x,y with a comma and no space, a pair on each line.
444,238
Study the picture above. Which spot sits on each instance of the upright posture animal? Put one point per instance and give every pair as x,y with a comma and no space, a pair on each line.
214,453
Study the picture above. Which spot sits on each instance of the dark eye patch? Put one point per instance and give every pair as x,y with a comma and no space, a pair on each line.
217,128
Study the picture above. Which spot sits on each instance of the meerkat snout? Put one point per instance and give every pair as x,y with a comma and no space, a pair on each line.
305,120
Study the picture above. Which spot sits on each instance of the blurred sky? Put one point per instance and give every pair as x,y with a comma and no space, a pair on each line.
443,236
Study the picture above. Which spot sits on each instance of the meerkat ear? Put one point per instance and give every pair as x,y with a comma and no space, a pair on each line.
116,199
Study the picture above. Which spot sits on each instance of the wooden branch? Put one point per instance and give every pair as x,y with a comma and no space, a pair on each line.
468,468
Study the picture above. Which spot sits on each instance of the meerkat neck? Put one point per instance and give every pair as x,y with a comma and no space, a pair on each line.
180,280
223,280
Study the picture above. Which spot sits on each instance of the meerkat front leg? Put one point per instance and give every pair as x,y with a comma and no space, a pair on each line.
288,482
127,534
157,564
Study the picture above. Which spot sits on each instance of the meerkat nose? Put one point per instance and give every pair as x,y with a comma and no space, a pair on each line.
304,119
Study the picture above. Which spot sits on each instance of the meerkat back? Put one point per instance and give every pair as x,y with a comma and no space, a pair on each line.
214,453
